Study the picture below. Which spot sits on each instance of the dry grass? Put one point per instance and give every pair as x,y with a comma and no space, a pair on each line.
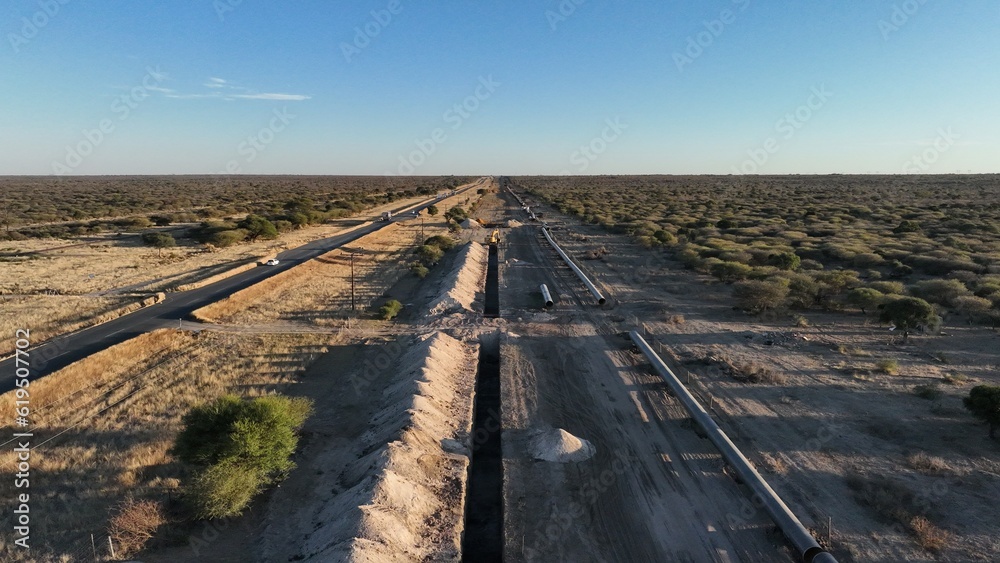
103,426
319,291
931,465
893,501
134,523
929,536
887,366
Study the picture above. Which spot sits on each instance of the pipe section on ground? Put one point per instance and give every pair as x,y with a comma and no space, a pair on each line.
546,295
583,277
776,508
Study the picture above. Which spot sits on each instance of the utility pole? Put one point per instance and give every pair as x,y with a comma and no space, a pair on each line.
352,280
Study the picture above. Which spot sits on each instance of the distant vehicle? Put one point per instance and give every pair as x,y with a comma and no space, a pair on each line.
271,262
386,216
415,213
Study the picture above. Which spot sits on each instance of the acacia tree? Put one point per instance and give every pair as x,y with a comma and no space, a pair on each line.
984,403
907,313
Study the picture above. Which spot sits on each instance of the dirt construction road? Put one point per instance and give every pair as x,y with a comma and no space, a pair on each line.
654,490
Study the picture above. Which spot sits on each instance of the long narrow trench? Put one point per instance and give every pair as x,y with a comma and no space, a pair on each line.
482,541
491,307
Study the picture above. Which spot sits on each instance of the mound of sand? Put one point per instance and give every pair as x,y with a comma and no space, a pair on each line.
462,283
403,498
471,224
561,446
514,223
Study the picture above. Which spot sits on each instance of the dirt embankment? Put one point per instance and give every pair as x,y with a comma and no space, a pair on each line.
399,486
463,282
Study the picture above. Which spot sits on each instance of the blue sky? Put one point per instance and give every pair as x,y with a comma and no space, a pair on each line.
514,87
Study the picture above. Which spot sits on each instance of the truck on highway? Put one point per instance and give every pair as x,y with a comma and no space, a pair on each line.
386,216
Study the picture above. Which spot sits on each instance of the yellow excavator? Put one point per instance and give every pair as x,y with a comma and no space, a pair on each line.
495,237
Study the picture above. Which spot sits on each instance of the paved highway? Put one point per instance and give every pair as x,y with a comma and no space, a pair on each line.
61,351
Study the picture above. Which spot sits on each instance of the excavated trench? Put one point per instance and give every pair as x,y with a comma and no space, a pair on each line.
482,540
491,307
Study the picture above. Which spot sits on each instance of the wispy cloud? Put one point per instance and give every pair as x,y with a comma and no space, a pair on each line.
270,96
222,89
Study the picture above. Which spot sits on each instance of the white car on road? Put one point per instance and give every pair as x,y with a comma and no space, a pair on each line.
271,262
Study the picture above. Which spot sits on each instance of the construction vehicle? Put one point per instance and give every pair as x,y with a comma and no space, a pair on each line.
386,216
495,237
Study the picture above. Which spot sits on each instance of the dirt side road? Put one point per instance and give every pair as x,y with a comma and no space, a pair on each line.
654,491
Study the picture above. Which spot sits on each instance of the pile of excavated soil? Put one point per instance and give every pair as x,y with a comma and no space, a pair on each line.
471,224
560,446
464,280
514,223
402,499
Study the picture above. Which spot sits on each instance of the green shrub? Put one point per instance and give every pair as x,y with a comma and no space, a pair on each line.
888,287
941,292
785,260
759,295
419,270
432,210
907,226
389,311
159,240
984,403
731,271
908,313
429,255
865,298
887,366
239,446
223,490
223,239
258,227
444,242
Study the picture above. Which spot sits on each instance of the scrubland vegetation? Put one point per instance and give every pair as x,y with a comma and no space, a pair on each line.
908,250
77,206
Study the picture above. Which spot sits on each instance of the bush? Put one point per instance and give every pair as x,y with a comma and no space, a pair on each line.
975,307
419,270
258,227
429,255
223,490
888,287
222,239
731,271
865,298
432,210
159,240
908,313
942,292
759,295
239,446
887,366
785,260
984,403
907,226
134,523
389,311
444,242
